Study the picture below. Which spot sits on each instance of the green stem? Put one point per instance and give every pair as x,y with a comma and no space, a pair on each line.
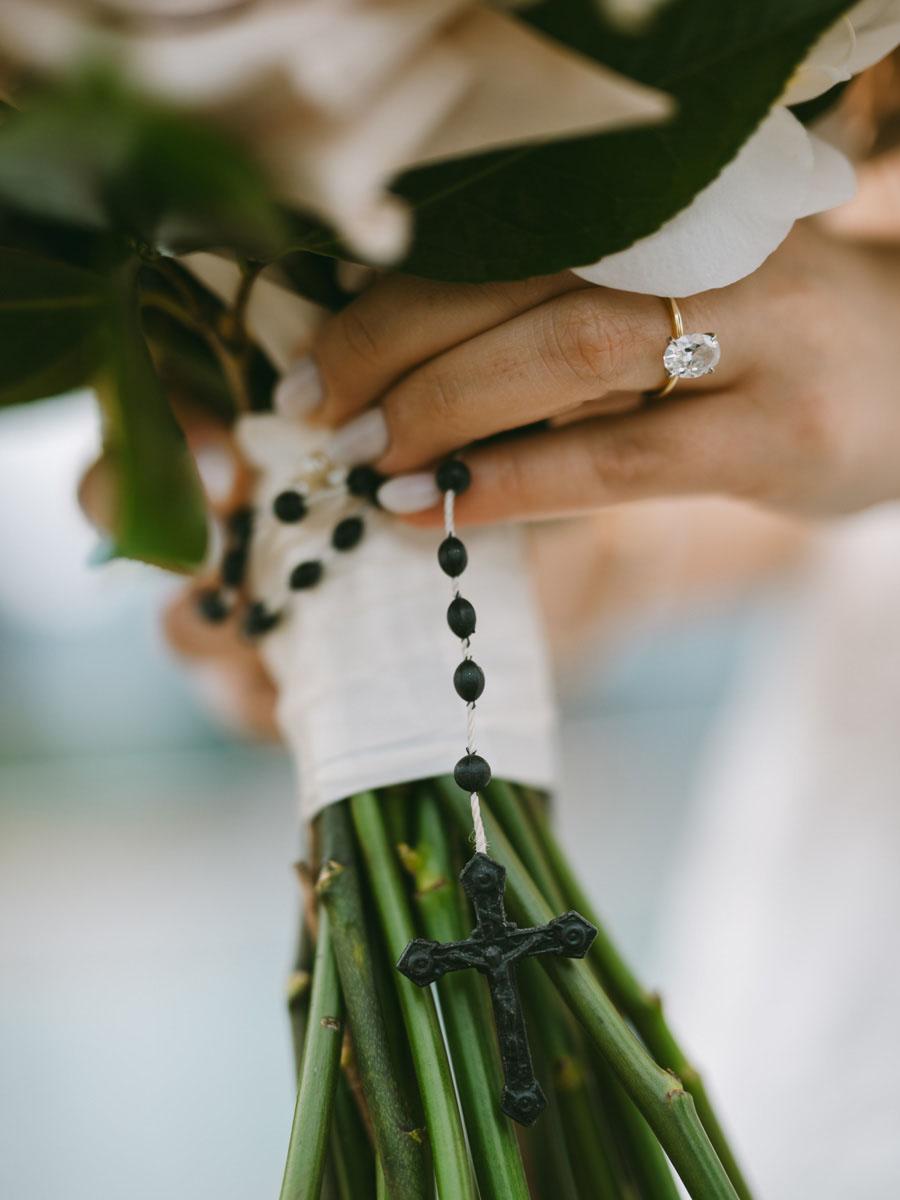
399,1145
642,1008
633,1138
582,1118
305,1166
554,1173
640,1150
381,1192
466,1011
658,1093
351,1151
298,989
201,308
511,812
423,1029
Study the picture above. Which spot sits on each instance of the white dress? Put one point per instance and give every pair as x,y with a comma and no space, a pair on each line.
781,924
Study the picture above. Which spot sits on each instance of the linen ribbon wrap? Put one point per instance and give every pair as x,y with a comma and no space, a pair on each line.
364,661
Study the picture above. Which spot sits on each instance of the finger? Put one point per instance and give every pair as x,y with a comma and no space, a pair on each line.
706,443
243,696
188,632
575,348
396,324
98,494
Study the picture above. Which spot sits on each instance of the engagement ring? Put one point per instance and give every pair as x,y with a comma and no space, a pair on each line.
687,355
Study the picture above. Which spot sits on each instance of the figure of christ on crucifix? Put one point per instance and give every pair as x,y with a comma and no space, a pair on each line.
494,947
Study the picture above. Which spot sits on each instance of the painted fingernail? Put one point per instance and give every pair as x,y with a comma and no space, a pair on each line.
360,440
299,391
409,493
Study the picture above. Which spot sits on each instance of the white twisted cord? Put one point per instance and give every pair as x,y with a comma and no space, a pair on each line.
474,798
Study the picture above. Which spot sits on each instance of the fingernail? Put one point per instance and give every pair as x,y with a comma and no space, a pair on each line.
299,391
409,493
217,469
360,440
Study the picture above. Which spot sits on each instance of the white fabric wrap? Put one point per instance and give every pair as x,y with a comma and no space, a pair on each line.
364,661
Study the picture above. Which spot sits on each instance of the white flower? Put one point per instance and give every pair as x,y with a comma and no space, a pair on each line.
868,32
780,174
337,96
783,172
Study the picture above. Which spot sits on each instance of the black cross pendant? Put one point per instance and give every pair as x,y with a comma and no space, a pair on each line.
494,947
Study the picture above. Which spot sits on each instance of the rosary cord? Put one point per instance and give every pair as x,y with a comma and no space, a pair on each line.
465,644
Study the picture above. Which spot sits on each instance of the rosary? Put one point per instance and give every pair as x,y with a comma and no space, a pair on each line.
496,944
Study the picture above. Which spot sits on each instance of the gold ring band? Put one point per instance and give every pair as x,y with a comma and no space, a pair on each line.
677,332
687,355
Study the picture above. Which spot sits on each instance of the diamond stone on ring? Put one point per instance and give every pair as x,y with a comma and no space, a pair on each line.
691,355
687,355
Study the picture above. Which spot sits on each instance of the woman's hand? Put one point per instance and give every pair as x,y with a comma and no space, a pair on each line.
239,689
803,413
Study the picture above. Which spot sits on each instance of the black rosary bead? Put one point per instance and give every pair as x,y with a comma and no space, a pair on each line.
211,605
289,507
452,556
234,566
461,617
258,620
468,679
306,575
240,524
472,773
364,481
453,476
347,533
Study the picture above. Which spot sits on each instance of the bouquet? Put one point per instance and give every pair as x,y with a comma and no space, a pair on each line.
187,190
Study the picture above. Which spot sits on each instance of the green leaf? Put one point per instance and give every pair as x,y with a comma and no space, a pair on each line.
535,210
314,277
161,512
93,154
50,317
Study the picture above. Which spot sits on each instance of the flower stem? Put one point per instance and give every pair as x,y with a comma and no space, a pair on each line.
658,1094
423,1030
465,1007
633,1137
642,1153
305,1166
511,811
298,989
553,1169
589,1144
400,1147
352,1159
643,1009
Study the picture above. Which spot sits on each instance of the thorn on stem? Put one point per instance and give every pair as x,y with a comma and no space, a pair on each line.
297,986
330,871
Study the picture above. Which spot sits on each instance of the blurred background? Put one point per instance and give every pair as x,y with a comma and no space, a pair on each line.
147,901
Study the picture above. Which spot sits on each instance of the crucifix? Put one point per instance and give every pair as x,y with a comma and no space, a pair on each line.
494,947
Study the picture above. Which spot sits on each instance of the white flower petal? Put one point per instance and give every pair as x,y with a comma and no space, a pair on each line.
544,89
862,36
341,169
780,174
